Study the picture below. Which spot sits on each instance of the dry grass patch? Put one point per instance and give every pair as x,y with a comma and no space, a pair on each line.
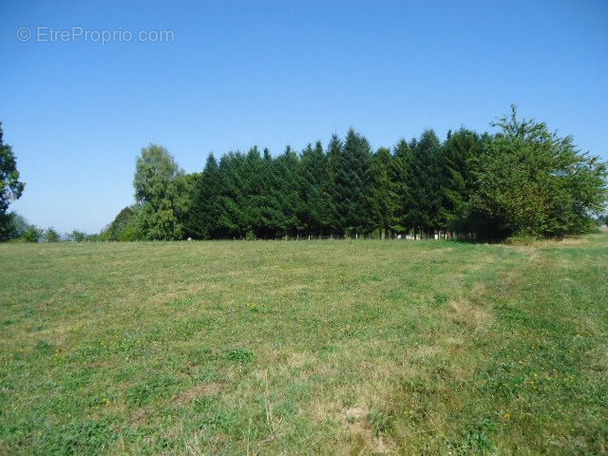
471,316
208,389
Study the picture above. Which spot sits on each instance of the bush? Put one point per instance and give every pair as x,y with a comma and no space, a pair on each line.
78,236
50,235
32,234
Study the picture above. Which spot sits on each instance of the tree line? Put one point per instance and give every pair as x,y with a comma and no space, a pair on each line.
522,180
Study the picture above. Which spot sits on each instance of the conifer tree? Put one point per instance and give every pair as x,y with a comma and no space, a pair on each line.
383,197
314,211
351,183
424,184
461,152
402,163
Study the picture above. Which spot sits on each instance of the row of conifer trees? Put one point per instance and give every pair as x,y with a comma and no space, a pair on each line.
521,180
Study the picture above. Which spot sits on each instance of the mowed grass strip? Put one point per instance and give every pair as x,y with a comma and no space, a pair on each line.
330,347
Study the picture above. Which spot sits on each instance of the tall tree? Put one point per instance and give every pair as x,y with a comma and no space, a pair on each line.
159,186
204,213
461,152
424,184
286,192
10,186
383,197
315,212
261,208
533,182
402,163
332,187
351,182
231,220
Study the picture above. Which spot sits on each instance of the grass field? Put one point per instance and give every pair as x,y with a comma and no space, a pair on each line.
323,347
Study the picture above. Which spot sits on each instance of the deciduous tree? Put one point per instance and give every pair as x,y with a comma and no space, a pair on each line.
11,187
532,182
159,194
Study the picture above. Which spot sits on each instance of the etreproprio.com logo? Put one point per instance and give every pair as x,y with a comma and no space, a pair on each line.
80,34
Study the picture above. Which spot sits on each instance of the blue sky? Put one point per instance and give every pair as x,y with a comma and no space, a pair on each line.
271,73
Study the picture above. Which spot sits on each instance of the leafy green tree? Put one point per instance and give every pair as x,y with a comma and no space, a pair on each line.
78,236
51,235
159,193
532,182
32,234
16,226
124,227
10,186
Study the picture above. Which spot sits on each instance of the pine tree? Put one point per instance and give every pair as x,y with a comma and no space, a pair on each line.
402,163
203,216
286,192
351,182
332,188
383,198
461,152
424,183
315,212
230,196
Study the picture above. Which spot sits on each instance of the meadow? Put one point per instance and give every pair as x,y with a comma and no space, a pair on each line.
320,347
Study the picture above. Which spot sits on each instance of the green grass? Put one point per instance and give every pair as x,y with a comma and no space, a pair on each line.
330,347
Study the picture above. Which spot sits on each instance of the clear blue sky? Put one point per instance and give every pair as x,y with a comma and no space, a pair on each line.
273,73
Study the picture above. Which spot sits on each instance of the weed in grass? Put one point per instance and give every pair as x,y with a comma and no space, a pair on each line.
241,356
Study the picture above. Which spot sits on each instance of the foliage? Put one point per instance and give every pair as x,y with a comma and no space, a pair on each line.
402,163
461,152
520,181
383,192
532,182
350,173
32,234
20,229
78,236
118,229
203,216
425,185
313,209
161,194
10,187
15,227
51,235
